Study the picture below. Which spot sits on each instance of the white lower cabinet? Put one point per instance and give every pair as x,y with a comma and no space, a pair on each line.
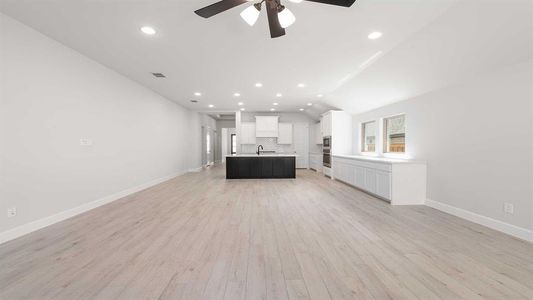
383,184
400,182
370,180
359,177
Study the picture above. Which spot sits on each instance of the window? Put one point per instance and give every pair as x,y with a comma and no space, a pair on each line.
233,144
368,134
394,134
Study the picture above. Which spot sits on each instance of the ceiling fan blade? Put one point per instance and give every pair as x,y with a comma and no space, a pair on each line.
345,3
273,21
218,7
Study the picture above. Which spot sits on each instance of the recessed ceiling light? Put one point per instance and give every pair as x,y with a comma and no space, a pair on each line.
279,95
301,109
211,105
309,104
240,103
272,109
275,103
320,95
148,30
375,35
301,85
198,94
243,109
259,84
237,94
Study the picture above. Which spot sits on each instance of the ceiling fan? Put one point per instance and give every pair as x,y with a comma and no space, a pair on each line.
279,17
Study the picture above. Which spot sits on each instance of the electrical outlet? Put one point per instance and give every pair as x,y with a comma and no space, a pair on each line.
86,142
11,212
508,208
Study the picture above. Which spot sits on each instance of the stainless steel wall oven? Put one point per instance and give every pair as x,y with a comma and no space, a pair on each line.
326,148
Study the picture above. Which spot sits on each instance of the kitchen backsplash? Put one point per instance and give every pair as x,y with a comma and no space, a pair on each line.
269,144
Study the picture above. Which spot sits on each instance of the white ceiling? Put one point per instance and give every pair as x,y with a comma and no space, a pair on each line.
426,44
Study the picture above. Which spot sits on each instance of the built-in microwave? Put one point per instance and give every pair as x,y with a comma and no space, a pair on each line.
326,142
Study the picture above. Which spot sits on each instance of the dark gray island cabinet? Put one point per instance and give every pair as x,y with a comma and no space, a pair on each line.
260,166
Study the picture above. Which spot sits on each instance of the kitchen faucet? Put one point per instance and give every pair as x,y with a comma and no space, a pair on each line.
259,152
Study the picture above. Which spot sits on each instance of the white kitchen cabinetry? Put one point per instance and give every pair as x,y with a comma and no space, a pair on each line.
266,126
285,134
317,130
383,184
370,180
401,182
248,133
326,123
338,125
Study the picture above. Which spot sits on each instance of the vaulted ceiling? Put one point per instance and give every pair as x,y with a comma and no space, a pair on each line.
425,45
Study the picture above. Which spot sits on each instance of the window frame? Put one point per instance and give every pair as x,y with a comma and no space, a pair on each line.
363,137
385,135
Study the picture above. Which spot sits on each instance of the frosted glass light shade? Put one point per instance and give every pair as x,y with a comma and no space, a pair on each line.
250,15
286,18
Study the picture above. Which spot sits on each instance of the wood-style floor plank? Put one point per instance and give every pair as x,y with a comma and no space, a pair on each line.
199,236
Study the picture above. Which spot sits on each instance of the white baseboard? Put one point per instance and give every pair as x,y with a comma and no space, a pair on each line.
519,232
61,216
193,170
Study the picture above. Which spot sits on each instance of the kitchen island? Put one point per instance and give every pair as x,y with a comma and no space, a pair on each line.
253,166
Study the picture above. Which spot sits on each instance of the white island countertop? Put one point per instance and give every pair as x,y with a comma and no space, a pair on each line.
264,155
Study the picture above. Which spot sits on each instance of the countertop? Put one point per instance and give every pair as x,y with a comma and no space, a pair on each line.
264,155
379,159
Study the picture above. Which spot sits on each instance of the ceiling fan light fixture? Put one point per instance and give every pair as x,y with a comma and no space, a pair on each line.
251,14
286,17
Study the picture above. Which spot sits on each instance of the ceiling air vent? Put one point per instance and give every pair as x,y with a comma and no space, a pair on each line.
159,75
194,101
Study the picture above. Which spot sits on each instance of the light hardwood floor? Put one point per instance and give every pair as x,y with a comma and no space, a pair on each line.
200,236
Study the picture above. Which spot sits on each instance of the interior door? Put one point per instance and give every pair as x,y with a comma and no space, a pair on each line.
301,144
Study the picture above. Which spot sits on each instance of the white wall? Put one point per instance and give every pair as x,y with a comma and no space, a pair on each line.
51,97
477,138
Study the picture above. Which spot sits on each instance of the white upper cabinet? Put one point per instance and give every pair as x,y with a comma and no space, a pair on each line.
247,133
266,126
285,134
338,125
327,125
318,134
